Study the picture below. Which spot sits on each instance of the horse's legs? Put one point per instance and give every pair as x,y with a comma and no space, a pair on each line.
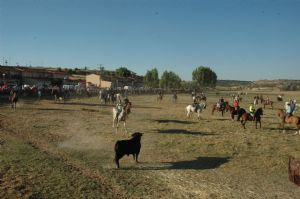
243,123
256,124
125,127
114,119
198,114
188,114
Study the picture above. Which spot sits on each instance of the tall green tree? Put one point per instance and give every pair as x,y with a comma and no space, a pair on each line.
205,77
123,72
151,78
170,80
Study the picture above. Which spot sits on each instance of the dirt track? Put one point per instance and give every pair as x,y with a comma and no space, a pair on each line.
66,150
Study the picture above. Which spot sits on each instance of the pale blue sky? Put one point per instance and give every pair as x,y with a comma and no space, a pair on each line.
238,39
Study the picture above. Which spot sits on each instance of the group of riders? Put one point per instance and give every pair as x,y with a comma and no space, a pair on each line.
290,106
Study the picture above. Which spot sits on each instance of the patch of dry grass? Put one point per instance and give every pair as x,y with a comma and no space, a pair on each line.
180,158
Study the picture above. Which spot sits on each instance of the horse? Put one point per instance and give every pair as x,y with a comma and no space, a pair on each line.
231,110
121,114
255,101
223,107
174,98
267,102
159,97
13,99
256,117
239,112
292,120
198,108
56,93
200,98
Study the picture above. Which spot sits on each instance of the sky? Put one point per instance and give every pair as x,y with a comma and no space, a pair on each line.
238,39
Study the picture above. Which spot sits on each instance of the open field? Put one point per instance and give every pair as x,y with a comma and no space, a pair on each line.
65,150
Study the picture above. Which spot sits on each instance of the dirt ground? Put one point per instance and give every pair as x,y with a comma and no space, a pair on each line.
65,150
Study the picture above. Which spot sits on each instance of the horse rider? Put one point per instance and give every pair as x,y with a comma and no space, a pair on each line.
175,96
288,110
251,110
293,105
120,106
195,102
221,102
255,102
268,100
236,104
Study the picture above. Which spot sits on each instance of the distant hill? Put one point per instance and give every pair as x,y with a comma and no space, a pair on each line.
281,84
229,83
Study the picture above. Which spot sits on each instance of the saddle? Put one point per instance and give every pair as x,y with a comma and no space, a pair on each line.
294,170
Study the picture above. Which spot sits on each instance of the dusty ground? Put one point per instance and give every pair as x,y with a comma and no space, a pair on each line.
65,150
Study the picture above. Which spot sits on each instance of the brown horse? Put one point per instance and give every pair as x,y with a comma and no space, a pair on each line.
160,97
200,98
256,117
267,102
221,108
13,99
239,112
292,120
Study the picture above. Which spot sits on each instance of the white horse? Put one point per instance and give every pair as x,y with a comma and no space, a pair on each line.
120,113
198,108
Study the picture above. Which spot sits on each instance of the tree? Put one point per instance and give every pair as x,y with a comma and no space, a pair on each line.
151,79
204,76
169,80
189,85
123,72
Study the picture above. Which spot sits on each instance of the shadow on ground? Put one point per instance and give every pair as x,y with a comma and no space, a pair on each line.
184,132
201,163
86,104
174,121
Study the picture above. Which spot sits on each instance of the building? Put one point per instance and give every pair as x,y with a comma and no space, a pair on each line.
98,80
113,81
31,75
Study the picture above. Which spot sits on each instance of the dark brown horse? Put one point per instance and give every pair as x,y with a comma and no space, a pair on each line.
239,112
160,97
13,99
256,117
223,107
292,120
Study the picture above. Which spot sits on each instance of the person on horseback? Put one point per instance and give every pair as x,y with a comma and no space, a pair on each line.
220,103
251,110
293,105
120,106
288,110
267,100
195,102
236,104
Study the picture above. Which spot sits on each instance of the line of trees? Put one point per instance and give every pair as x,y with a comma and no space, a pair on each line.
202,77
